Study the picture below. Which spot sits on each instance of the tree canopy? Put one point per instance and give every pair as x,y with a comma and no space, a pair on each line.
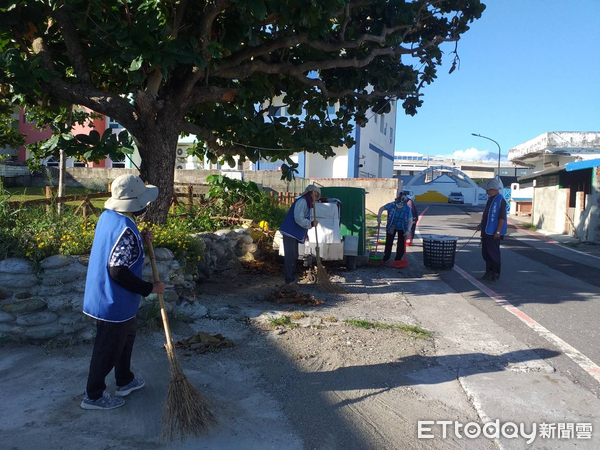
165,68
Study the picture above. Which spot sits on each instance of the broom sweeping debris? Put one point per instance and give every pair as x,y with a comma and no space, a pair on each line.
186,410
322,276
376,260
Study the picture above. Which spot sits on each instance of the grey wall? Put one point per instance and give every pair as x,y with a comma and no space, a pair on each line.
550,205
379,190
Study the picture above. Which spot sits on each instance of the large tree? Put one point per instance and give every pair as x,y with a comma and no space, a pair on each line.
211,68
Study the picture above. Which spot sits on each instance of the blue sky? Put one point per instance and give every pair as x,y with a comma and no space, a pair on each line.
527,67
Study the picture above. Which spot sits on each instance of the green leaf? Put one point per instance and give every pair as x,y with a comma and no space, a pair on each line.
136,64
107,134
258,8
85,139
95,136
50,144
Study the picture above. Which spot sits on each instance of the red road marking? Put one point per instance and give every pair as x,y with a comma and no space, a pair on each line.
533,234
421,215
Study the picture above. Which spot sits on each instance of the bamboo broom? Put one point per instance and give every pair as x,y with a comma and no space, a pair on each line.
186,410
322,275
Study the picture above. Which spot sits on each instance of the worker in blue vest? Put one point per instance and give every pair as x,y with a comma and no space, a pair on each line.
493,227
399,222
295,228
113,290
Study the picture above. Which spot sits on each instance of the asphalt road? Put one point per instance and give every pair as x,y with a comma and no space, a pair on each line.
557,287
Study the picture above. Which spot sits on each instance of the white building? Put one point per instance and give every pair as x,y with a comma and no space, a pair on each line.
555,149
371,157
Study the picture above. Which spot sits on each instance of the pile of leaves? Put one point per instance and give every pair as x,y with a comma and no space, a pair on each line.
266,262
261,267
283,297
203,342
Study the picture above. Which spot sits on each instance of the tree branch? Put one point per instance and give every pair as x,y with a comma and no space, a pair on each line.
211,141
320,84
75,50
247,70
285,68
210,14
204,94
85,94
179,14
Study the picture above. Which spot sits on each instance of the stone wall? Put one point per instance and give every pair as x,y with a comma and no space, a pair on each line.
46,304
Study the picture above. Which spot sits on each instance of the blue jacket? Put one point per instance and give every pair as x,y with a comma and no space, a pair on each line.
104,299
290,227
493,216
401,220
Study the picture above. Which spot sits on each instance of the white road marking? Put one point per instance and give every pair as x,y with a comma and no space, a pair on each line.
579,358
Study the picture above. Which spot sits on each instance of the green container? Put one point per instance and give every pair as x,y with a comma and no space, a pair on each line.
352,212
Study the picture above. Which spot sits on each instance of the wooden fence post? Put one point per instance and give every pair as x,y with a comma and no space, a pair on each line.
190,198
49,193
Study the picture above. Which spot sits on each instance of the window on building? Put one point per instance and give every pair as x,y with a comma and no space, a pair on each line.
52,162
79,164
382,125
118,162
391,135
112,123
277,111
376,120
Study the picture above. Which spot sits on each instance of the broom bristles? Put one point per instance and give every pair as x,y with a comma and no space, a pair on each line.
324,281
186,410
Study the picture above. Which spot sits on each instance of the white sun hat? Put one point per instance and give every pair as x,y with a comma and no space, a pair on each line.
312,188
492,183
130,194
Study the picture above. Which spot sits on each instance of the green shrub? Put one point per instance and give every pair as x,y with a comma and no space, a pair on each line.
266,208
175,235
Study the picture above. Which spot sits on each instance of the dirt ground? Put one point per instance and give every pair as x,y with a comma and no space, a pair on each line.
317,382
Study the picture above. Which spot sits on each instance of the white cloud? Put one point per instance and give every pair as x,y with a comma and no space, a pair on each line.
472,154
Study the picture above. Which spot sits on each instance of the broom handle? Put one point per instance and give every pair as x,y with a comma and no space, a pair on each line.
316,236
161,302
377,240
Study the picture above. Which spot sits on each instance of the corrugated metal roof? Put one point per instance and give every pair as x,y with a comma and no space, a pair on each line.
580,165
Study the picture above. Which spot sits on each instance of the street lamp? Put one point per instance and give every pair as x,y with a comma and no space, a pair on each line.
490,139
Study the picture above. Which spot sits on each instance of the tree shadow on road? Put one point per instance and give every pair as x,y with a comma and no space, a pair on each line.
416,370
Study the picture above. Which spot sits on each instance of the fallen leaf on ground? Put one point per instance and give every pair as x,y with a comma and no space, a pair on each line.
285,296
203,342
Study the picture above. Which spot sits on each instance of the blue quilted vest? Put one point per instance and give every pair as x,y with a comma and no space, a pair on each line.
405,217
289,227
104,299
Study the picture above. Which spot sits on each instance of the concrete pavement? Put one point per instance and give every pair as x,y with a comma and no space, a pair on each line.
483,370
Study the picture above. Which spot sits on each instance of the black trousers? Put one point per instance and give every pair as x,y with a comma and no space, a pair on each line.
389,242
290,250
413,229
490,250
112,349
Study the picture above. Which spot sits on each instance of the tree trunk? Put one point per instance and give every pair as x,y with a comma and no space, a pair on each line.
158,151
